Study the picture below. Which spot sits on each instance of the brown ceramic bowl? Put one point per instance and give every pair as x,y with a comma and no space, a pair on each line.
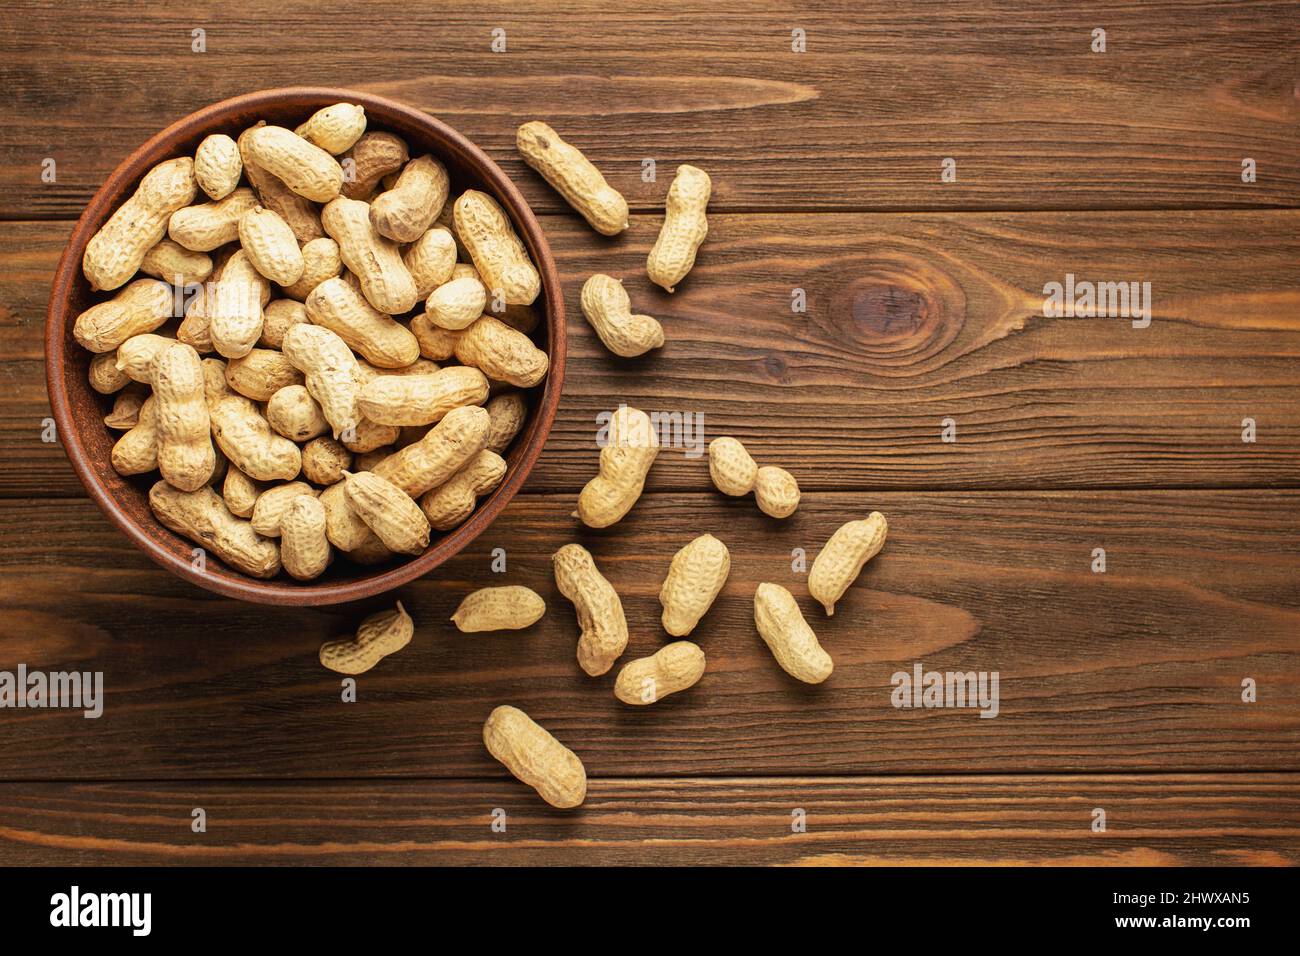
79,410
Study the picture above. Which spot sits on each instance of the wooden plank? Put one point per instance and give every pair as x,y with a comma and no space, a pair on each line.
1139,668
1013,92
911,320
1221,819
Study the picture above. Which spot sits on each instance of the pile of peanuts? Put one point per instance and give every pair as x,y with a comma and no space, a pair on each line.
295,383
697,572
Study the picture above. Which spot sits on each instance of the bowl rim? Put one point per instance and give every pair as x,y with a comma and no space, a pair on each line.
219,578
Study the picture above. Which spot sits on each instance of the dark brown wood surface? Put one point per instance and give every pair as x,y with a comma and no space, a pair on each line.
1243,819
1120,690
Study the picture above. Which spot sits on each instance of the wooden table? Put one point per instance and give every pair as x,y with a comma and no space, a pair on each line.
1120,690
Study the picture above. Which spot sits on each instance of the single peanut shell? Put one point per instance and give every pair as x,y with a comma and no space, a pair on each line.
574,177
535,757
498,252
630,450
730,466
421,399
791,641
509,608
379,635
695,577
408,208
388,511
114,253
608,309
601,620
210,225
308,170
271,246
670,669
839,563
335,128
444,450
776,491
217,166
304,549
501,353
684,228
203,517
451,503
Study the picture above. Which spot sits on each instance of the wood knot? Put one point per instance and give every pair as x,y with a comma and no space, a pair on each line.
898,308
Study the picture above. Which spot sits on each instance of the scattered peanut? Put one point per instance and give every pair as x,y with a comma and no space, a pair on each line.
670,669
735,473
630,450
840,562
684,228
599,610
378,636
695,577
535,757
573,176
788,636
731,467
510,608
607,307
776,492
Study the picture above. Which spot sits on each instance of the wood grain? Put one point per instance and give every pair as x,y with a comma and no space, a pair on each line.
911,320
1136,669
1152,820
884,93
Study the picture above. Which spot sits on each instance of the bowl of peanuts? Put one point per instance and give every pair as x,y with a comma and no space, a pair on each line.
304,345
